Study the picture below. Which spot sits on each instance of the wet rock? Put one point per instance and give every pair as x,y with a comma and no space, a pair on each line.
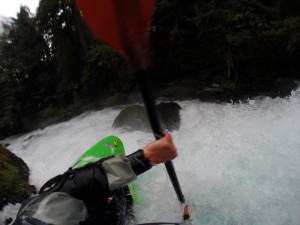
169,114
135,117
14,172
284,86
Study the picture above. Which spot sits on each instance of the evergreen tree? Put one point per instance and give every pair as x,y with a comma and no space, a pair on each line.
56,23
51,61
22,71
105,73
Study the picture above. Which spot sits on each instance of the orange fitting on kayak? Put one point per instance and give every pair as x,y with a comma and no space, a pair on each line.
186,212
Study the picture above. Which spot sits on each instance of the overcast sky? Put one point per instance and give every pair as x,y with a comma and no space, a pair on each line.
10,8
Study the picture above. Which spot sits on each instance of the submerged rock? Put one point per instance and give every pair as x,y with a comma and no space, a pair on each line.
135,117
169,114
14,173
284,86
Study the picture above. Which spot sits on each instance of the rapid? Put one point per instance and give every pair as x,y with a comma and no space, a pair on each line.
237,164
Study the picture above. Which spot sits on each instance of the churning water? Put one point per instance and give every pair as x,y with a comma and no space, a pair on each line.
237,163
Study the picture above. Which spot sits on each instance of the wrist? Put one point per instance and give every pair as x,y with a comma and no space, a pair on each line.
146,153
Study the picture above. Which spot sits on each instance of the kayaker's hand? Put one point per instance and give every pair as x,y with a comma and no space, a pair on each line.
161,151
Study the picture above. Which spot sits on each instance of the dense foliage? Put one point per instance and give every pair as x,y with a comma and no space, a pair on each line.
14,173
51,66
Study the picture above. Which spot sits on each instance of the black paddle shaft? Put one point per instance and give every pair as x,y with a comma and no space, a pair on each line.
145,87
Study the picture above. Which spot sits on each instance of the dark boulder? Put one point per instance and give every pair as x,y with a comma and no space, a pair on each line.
14,172
135,117
284,86
169,114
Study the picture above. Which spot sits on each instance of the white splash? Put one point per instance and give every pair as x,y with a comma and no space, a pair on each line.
237,163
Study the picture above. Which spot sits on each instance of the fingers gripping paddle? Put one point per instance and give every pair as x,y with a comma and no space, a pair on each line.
124,25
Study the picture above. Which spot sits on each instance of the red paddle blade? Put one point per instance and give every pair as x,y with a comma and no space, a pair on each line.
122,24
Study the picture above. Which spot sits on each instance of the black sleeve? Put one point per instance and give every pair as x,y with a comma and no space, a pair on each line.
138,162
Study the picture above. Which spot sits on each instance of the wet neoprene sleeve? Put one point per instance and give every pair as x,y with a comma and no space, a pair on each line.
138,162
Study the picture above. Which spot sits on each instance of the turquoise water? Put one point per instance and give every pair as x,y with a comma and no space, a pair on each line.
238,164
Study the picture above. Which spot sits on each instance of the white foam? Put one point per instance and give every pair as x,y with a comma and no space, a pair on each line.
237,164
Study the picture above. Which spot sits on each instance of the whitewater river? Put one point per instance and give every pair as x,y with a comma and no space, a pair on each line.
237,163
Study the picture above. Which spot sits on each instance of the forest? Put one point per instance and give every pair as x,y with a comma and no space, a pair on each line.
53,68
